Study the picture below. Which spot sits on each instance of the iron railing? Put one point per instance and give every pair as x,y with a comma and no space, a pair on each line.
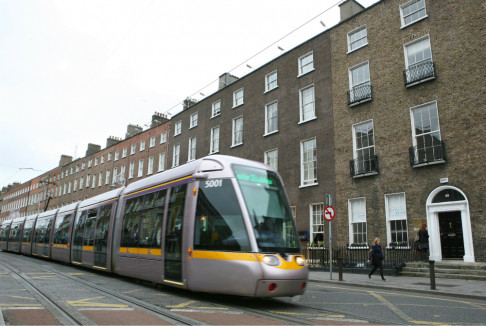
435,153
419,73
364,166
355,258
360,94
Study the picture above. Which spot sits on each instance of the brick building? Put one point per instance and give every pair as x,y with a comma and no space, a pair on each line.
384,112
409,120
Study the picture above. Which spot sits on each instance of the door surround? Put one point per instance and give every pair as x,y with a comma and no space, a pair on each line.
433,210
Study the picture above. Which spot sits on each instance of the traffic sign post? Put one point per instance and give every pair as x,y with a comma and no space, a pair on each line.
329,214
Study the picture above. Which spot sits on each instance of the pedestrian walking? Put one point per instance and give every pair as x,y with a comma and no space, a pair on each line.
423,240
376,258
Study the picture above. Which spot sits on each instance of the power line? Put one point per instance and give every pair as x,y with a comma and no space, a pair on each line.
261,51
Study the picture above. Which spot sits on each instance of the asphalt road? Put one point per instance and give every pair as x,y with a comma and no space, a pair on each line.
323,303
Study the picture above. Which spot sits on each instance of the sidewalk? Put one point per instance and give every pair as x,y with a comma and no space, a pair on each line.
447,287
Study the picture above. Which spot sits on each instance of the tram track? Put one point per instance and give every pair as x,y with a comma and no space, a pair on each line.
70,316
64,315
269,308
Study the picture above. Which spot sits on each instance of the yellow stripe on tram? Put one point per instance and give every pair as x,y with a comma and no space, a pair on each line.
218,255
141,251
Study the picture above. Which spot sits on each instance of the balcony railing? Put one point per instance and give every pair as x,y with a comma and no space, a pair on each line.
426,155
359,94
364,166
419,73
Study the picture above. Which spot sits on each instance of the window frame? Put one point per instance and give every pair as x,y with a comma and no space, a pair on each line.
163,137
194,120
214,142
215,108
176,155
358,220
178,128
403,24
353,86
389,218
355,140
271,84
316,211
303,68
354,32
238,100
271,161
191,149
302,104
237,135
307,182
271,120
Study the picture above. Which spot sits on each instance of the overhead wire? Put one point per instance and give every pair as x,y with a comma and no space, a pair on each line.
258,53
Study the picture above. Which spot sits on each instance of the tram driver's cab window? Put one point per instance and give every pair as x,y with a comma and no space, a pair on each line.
219,223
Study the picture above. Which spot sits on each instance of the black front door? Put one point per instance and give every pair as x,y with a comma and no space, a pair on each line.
451,238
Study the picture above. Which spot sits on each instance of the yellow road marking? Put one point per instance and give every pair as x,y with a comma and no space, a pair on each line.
86,303
131,291
392,307
305,314
182,305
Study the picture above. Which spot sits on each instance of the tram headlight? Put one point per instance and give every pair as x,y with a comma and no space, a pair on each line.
300,260
271,260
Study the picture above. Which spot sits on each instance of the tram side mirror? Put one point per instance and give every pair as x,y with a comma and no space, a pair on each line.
200,176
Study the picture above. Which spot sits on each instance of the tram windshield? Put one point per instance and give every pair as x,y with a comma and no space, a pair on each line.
269,210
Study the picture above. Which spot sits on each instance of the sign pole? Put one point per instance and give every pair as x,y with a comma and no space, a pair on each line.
330,251
329,214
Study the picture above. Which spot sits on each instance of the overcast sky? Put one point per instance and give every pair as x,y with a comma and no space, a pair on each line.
77,72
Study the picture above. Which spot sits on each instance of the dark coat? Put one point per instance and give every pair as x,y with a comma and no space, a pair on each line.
377,254
423,239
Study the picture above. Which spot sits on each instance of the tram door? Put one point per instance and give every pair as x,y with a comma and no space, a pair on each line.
173,234
451,237
78,237
101,236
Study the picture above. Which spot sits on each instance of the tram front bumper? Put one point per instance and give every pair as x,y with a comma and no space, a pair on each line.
280,288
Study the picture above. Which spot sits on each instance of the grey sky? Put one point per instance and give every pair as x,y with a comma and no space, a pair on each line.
77,72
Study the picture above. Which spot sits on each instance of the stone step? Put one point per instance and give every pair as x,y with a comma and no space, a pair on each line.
449,276
447,269
453,271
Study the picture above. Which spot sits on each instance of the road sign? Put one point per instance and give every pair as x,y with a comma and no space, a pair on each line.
329,213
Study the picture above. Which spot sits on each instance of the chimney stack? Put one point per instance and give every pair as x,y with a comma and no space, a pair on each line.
349,8
65,159
133,130
110,141
92,148
158,119
226,79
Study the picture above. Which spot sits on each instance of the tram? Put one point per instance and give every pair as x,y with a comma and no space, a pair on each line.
219,224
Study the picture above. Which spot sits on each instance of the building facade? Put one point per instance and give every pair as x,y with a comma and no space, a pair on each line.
409,114
382,116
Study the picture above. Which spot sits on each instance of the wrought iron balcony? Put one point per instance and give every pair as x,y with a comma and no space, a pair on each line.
364,166
360,94
427,155
419,73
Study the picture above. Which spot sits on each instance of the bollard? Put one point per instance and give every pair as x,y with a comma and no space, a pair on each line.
340,266
432,274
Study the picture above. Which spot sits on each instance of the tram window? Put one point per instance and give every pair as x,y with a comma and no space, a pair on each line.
27,234
88,238
14,233
219,223
40,231
3,233
131,222
142,223
268,208
61,229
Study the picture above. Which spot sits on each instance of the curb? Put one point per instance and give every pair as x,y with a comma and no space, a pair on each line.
433,292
